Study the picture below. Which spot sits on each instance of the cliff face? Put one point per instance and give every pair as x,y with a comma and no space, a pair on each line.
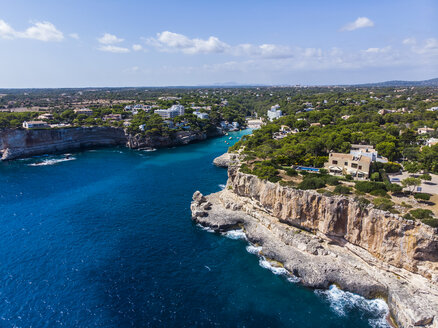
20,143
325,240
404,244
139,141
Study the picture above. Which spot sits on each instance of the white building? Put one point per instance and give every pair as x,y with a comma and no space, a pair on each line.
432,141
179,108
35,124
274,113
367,151
432,109
174,111
200,115
425,130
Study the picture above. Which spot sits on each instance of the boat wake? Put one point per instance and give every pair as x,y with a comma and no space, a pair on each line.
52,161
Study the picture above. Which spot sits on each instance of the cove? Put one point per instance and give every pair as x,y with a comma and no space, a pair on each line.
106,240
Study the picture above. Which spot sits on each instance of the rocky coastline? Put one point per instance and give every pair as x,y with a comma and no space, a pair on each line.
325,240
21,143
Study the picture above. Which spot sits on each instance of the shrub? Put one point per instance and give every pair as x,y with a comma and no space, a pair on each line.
348,177
363,202
431,222
375,176
291,172
383,204
311,183
394,188
340,189
421,196
266,171
426,177
287,183
331,180
245,169
421,214
368,186
323,171
379,193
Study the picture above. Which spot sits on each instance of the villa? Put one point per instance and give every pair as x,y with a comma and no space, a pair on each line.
356,166
85,111
35,125
174,111
425,130
274,112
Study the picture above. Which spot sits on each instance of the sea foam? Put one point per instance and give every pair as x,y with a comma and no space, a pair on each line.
235,234
342,302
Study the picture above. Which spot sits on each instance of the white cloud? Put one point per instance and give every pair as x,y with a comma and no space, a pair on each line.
137,47
42,31
170,42
74,36
174,42
113,49
108,38
360,22
409,41
377,50
428,47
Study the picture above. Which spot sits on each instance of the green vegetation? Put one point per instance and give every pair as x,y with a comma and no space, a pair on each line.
383,204
344,190
422,196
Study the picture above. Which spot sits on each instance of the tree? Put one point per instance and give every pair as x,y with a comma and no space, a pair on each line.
412,167
387,149
411,183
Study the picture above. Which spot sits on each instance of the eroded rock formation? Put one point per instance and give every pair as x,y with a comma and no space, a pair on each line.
325,240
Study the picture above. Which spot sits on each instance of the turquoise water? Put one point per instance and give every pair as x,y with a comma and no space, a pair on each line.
106,240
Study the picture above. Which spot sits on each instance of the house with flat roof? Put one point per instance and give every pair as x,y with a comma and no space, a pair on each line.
368,151
112,117
425,130
85,111
45,116
274,112
174,111
342,164
35,125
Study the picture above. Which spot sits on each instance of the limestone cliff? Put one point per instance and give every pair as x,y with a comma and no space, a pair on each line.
405,244
325,240
18,143
140,141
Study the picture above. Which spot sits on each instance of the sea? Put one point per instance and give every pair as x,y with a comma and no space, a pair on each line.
104,238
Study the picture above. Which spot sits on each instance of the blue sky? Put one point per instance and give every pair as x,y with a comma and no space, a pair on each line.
159,43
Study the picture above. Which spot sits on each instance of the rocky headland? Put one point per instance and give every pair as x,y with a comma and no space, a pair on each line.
325,240
21,143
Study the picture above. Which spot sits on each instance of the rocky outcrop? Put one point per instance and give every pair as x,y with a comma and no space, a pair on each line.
19,143
140,141
225,160
325,240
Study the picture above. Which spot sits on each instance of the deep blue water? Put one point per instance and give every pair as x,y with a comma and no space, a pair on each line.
106,240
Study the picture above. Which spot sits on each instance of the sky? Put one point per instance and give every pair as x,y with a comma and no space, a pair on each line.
109,43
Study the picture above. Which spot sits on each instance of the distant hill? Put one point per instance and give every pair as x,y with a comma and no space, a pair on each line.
396,83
